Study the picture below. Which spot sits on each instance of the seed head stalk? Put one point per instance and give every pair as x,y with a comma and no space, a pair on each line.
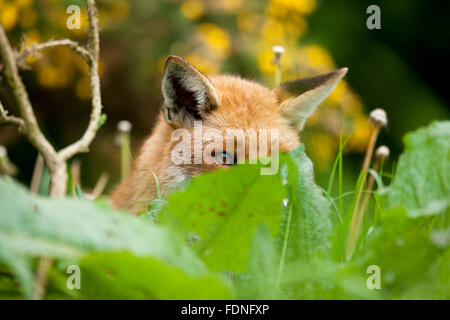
277,53
124,128
379,119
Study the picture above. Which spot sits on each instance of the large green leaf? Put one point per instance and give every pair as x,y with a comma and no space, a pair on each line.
304,236
125,276
218,213
261,279
306,226
422,181
33,226
410,260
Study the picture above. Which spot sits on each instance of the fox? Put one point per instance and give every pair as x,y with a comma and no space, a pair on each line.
218,102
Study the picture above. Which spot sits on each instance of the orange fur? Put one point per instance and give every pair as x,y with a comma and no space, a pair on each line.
243,104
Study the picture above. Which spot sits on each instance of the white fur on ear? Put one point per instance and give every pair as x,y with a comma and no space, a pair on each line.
188,94
300,98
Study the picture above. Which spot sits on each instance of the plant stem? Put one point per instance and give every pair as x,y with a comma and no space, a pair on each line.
125,154
37,174
283,251
354,226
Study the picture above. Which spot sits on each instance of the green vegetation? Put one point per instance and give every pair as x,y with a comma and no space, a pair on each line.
232,234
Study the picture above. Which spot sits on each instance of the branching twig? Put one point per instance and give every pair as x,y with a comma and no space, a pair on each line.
30,126
55,161
50,44
6,119
93,46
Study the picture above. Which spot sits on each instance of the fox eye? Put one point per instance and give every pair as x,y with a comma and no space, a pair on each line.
224,159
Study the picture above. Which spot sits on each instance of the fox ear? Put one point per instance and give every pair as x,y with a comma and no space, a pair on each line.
300,98
188,94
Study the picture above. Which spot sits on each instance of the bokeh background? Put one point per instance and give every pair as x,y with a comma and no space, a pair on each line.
401,68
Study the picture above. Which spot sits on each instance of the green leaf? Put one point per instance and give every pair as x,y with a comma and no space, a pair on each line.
422,182
124,276
154,208
323,279
218,212
261,280
306,227
32,226
101,120
408,258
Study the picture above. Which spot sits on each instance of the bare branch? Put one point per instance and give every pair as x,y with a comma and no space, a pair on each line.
75,46
93,47
81,145
56,161
30,126
6,119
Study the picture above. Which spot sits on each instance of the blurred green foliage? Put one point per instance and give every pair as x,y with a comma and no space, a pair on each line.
123,256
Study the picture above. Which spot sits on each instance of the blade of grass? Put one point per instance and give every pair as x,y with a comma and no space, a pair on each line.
283,251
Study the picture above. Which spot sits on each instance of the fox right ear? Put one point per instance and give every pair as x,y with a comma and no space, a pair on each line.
188,94
300,98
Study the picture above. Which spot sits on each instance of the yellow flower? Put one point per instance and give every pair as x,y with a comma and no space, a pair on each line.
24,3
335,97
351,104
273,32
31,38
322,149
206,65
319,57
217,39
8,16
192,9
231,5
265,61
361,134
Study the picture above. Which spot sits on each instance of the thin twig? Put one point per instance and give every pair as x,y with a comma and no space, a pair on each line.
55,161
75,46
93,46
82,145
37,174
30,126
6,119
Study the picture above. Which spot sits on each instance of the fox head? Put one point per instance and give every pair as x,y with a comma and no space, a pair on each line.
221,110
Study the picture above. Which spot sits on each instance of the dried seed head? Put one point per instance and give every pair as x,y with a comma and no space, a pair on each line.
278,49
278,52
3,152
382,152
124,126
378,116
